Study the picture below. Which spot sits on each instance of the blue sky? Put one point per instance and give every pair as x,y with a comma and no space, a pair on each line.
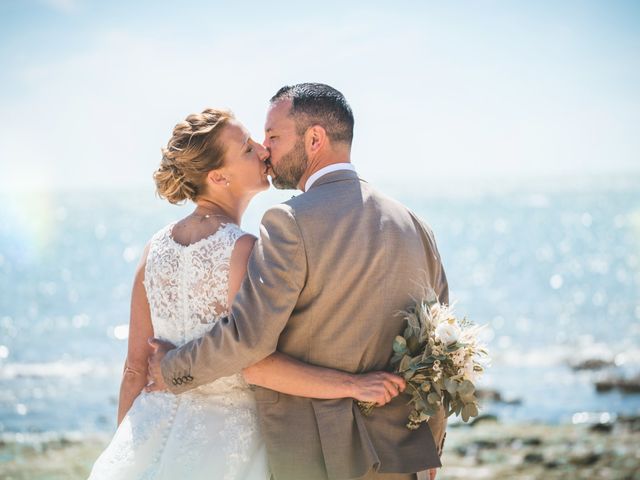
90,91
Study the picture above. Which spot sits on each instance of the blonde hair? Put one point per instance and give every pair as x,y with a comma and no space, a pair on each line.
191,153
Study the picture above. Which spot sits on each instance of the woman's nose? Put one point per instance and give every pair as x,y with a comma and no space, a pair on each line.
263,153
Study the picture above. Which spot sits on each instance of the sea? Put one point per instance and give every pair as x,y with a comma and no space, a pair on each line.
551,268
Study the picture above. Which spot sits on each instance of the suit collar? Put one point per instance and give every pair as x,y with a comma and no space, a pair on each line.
334,167
337,176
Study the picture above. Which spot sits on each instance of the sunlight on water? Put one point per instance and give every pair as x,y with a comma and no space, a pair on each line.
554,275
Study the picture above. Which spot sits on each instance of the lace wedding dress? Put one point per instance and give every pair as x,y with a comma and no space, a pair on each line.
210,432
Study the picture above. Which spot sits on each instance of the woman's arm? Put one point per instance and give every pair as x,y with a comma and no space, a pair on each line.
134,377
287,375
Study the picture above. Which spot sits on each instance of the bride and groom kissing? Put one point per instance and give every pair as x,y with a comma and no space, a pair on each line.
262,344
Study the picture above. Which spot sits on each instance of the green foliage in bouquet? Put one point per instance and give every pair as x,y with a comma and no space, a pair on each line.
439,357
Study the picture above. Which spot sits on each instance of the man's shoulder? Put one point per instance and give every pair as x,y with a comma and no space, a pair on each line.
337,192
336,196
303,202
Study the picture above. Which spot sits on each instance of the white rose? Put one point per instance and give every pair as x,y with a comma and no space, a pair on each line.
448,333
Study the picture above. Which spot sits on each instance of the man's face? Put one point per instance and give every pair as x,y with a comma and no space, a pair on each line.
288,158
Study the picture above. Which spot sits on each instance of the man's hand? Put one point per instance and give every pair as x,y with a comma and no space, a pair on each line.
160,349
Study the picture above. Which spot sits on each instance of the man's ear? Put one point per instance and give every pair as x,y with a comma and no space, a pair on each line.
315,138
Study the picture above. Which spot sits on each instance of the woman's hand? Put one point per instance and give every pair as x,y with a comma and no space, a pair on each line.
377,387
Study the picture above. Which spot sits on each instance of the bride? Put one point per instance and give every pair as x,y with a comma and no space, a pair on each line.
187,278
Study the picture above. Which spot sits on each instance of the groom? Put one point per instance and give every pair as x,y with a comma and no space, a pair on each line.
329,271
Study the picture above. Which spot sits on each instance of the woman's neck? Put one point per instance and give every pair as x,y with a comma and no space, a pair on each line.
233,208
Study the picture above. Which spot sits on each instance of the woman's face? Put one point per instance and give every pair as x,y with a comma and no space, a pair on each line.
244,159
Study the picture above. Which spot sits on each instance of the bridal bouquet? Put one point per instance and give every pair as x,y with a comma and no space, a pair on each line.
440,358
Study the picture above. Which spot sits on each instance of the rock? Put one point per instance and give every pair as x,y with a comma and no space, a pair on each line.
102,420
531,441
631,385
625,385
585,460
486,444
483,419
603,386
630,422
592,364
533,457
491,395
601,427
461,450
488,394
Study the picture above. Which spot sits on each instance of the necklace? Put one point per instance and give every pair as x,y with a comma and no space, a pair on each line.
206,216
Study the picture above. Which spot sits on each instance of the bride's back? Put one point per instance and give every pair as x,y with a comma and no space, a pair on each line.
187,279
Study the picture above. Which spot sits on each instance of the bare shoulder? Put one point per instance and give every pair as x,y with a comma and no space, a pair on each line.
238,263
242,248
142,263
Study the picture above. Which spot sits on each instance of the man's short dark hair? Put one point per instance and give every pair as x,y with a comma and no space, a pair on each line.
319,104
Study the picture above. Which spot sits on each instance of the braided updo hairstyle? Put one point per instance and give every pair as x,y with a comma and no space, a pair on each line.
192,152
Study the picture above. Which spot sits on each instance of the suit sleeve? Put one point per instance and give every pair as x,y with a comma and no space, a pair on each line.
276,274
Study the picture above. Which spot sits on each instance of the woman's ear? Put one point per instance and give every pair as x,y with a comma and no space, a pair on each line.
315,138
217,178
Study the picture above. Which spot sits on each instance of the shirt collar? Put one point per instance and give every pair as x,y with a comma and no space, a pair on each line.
334,167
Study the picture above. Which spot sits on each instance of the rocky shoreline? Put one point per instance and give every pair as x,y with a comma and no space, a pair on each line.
487,449
536,451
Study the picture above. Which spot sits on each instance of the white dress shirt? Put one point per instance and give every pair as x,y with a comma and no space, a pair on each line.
334,167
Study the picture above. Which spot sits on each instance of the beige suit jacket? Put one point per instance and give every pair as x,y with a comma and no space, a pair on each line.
330,270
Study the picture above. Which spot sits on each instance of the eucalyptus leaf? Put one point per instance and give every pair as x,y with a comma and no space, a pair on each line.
469,411
434,398
399,344
465,415
404,363
431,410
437,388
451,386
419,378
396,358
470,398
466,387
413,345
413,321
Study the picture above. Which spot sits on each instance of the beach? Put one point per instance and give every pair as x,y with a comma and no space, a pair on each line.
486,450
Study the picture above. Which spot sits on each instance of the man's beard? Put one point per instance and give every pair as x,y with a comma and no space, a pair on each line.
290,168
